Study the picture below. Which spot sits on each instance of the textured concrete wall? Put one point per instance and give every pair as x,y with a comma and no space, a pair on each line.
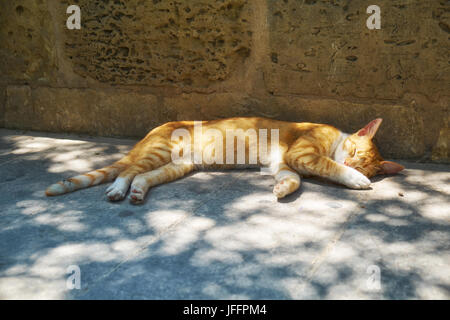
135,64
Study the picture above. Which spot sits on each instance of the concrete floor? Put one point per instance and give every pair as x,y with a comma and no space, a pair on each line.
216,235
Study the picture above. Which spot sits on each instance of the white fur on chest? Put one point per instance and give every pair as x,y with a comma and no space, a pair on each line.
339,154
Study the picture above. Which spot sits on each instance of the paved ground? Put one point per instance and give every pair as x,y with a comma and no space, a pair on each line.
216,235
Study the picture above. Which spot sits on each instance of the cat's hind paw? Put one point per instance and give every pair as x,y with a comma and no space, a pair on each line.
117,191
115,195
136,195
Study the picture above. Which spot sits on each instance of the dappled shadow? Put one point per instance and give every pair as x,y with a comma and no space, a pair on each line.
215,235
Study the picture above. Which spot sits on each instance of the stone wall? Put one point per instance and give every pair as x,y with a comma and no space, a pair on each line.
139,63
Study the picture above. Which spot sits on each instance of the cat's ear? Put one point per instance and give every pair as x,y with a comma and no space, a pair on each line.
370,129
390,167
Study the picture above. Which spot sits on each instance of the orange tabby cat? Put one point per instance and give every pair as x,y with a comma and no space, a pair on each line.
302,148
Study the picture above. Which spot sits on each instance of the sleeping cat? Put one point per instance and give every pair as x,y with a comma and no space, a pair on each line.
301,149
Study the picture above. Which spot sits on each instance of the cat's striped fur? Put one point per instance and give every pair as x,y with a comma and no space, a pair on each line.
304,149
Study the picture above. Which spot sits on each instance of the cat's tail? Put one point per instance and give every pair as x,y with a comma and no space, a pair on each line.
91,178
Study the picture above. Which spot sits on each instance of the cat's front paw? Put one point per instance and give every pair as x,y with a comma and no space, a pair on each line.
285,187
354,179
281,190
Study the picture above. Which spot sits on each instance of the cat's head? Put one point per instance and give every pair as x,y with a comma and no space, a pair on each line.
360,153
